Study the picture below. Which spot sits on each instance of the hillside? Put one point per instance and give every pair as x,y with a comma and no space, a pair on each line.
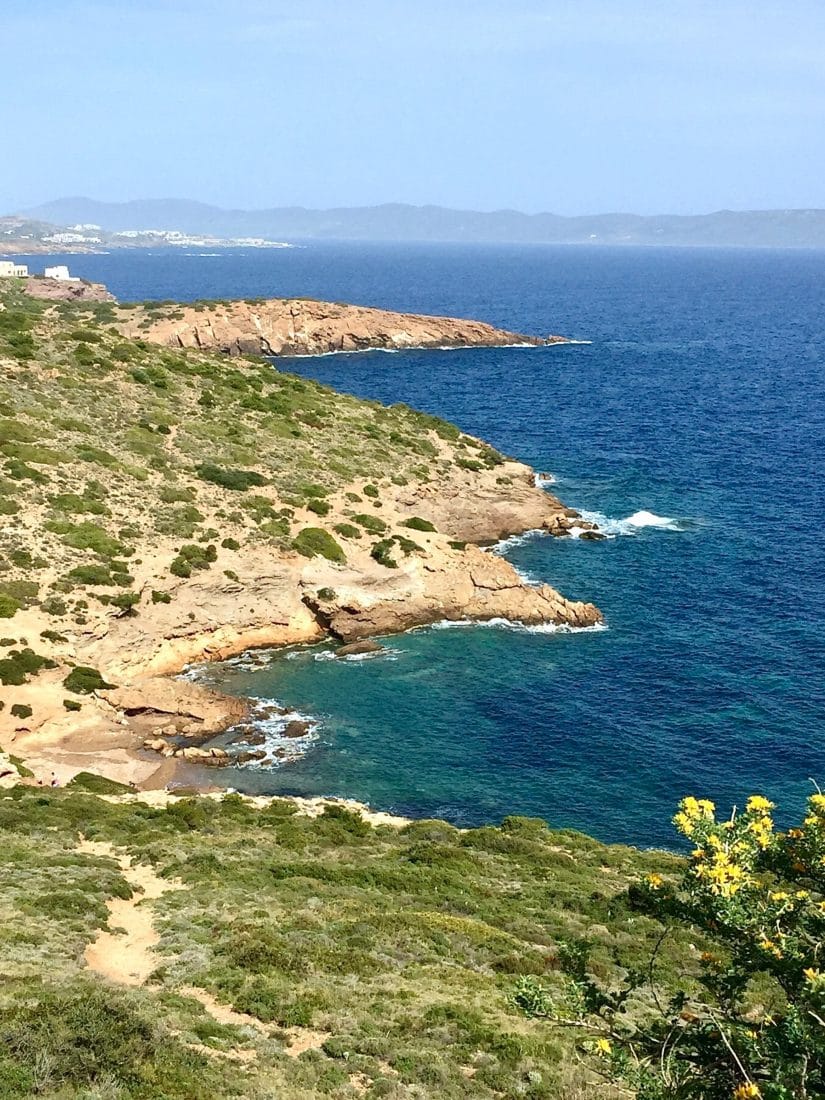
264,953
166,506
400,222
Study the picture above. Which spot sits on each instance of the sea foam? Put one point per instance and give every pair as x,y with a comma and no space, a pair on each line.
631,525
517,627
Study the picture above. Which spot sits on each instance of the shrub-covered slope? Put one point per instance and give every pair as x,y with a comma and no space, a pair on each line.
389,956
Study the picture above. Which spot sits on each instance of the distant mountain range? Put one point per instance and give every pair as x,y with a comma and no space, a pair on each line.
399,222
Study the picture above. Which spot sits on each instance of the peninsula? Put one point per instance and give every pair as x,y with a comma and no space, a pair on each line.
306,326
164,504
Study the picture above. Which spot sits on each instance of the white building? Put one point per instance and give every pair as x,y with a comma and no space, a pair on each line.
10,270
60,272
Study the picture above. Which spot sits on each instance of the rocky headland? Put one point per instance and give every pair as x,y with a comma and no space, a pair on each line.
304,326
163,506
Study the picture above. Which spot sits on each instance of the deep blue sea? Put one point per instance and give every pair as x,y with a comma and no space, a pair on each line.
700,399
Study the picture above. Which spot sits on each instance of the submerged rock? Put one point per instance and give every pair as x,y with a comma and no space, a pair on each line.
366,645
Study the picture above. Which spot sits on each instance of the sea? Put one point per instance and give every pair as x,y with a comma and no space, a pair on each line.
690,422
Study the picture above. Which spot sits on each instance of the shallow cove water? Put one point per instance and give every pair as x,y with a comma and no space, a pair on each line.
700,401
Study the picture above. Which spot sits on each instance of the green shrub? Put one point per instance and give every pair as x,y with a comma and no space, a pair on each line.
191,557
370,491
160,597
72,704
54,605
174,494
126,602
24,591
8,606
237,480
21,710
319,507
230,544
372,524
19,664
416,523
314,541
87,536
179,521
381,552
83,680
348,530
99,575
94,784
74,503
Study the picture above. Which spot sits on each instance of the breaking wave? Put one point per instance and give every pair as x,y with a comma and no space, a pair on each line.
629,526
268,719
517,627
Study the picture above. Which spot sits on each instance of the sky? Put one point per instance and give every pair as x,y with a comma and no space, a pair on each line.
648,106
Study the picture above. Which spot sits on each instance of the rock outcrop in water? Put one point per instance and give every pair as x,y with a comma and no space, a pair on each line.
303,326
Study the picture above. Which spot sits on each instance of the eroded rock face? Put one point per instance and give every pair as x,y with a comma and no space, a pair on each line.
64,290
298,326
205,711
480,586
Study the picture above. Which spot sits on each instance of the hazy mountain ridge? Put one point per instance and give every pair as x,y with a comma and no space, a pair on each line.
400,222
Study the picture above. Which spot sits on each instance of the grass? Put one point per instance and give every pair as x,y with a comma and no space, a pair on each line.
406,947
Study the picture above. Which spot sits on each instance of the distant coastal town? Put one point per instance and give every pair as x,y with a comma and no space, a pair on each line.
26,236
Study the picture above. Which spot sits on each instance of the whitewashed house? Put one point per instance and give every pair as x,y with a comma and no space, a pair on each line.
60,271
10,270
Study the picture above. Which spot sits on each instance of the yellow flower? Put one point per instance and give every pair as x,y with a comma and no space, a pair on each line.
758,804
654,881
604,1046
748,1091
813,976
817,803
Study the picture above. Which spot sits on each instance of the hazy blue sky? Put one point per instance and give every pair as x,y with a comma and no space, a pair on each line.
587,106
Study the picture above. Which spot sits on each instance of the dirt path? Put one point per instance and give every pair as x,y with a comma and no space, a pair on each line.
124,951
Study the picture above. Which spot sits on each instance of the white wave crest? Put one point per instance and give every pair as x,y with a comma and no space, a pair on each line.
517,627
544,480
629,526
512,541
385,653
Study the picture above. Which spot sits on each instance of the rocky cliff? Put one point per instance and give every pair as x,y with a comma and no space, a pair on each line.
301,326
65,290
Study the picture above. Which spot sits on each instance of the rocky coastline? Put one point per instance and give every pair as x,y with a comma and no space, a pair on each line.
303,326
153,728
365,521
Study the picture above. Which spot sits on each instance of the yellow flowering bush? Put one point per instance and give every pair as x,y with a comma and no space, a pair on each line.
750,1024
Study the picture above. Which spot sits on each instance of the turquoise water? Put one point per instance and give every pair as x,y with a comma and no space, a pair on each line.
701,400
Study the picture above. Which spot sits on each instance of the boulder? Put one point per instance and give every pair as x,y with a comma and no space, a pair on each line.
296,729
366,645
